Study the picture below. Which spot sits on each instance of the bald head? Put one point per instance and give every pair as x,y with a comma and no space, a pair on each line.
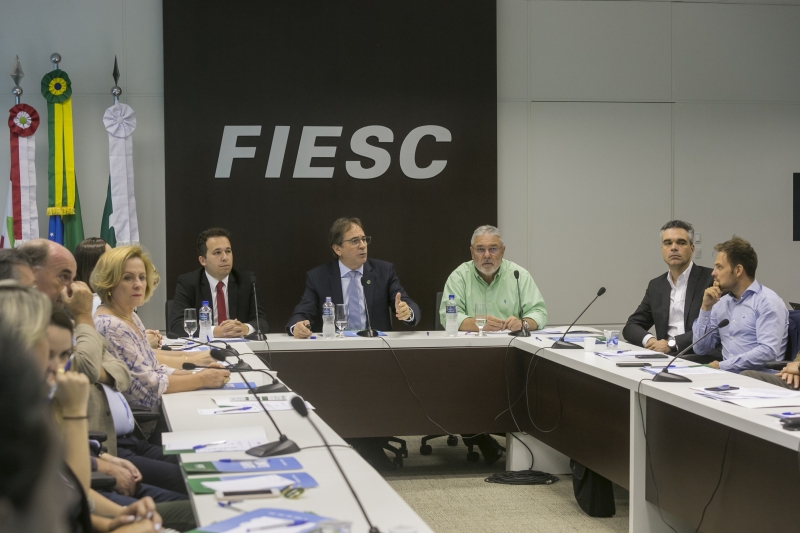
53,266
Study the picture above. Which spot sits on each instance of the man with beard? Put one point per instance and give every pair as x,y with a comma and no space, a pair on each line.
759,321
489,279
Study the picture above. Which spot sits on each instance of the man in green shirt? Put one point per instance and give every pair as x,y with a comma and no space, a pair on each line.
489,278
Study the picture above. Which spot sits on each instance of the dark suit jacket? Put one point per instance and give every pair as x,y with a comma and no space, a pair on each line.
654,309
325,280
192,289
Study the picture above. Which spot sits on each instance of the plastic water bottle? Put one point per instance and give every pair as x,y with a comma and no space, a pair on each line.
452,317
328,329
206,326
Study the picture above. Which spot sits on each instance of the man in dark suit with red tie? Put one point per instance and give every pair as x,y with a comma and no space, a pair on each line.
228,291
672,300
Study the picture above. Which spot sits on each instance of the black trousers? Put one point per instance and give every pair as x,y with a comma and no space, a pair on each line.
157,469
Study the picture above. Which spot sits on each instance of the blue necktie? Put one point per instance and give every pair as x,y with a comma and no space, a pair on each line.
355,307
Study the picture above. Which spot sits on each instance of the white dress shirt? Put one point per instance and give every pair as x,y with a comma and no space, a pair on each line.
213,283
677,301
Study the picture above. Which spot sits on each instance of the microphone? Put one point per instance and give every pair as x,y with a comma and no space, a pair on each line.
259,335
664,375
561,344
369,332
275,386
282,446
523,331
299,405
220,354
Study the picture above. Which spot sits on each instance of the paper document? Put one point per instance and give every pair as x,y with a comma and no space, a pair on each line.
629,356
248,522
753,398
250,407
560,331
475,333
214,440
238,484
684,370
268,397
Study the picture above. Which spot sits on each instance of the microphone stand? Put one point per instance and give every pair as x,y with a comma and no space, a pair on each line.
299,405
282,446
369,332
561,344
525,330
259,335
220,354
666,376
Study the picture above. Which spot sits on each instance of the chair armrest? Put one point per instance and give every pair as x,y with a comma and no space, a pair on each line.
776,365
144,415
101,481
99,436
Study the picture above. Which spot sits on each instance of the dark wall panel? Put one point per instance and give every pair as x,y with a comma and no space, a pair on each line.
399,64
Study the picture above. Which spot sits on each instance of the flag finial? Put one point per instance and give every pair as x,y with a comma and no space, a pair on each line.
116,90
55,58
17,75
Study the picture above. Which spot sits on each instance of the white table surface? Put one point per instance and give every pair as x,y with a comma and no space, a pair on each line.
331,498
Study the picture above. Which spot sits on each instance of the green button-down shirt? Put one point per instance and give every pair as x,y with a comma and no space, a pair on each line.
500,296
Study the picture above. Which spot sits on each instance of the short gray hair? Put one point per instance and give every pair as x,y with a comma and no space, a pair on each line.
486,230
679,224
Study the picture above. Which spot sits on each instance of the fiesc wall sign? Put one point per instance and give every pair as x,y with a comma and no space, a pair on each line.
308,150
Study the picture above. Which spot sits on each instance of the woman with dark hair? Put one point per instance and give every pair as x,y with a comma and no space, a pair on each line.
87,254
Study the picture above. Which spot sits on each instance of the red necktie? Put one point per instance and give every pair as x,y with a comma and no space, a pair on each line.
222,312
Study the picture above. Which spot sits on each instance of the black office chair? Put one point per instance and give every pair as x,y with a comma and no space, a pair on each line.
452,440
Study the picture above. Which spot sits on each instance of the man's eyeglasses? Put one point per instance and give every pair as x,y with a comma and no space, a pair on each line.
481,250
356,240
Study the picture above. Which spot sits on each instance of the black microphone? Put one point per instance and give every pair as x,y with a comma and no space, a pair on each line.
665,375
282,446
259,335
523,331
369,332
275,386
561,344
220,354
299,405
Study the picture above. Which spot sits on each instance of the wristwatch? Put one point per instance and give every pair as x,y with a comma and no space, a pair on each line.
673,345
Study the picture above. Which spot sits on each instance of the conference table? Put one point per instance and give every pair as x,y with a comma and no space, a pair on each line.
386,509
582,405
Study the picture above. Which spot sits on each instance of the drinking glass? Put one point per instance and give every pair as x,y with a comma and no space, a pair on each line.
480,318
190,321
340,320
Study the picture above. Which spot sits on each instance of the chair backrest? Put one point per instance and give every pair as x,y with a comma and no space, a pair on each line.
793,345
795,306
437,320
167,307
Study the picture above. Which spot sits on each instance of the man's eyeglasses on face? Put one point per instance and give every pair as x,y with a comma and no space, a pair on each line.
356,240
492,250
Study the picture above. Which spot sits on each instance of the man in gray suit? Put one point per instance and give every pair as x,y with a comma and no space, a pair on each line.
672,300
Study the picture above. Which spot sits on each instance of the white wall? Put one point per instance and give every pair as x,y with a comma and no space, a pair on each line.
87,34
614,117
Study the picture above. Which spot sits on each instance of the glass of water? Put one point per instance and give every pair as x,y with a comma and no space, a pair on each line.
190,321
480,318
340,319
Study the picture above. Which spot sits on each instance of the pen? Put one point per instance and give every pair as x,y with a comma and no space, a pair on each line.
311,337
69,363
273,526
206,445
232,409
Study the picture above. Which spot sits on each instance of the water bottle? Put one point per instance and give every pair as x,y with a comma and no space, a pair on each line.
452,317
328,329
206,326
